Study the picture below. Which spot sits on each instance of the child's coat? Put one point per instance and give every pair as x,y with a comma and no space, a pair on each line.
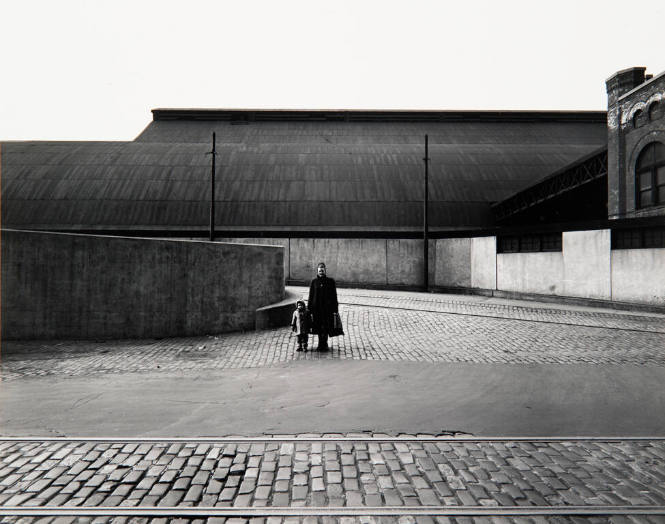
301,322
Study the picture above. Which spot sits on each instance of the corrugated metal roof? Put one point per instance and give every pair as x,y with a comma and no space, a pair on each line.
291,174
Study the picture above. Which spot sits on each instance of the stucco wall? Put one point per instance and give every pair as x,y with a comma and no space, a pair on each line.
405,262
380,262
82,286
483,263
282,242
586,264
347,259
540,273
585,268
453,262
638,275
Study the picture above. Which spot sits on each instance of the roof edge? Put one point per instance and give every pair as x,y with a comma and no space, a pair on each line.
241,116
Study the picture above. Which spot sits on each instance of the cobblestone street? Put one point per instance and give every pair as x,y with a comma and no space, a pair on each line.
392,326
357,470
333,473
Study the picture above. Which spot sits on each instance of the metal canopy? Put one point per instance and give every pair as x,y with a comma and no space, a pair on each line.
587,169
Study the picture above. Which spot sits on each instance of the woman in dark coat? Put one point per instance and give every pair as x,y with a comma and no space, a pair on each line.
322,304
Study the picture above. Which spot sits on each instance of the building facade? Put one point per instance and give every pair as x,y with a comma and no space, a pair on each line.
636,144
570,204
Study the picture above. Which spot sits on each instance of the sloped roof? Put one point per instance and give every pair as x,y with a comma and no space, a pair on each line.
293,171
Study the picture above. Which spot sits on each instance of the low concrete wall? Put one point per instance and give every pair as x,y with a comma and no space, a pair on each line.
82,286
540,273
483,263
373,262
453,262
348,260
281,242
586,268
405,262
278,314
586,264
638,275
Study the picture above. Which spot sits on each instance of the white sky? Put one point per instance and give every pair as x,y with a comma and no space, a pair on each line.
92,70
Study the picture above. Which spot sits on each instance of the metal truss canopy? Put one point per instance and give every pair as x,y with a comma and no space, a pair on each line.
588,169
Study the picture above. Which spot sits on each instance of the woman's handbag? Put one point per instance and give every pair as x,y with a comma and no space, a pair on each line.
336,329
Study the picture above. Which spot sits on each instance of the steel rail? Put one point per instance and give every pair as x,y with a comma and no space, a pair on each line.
305,438
355,511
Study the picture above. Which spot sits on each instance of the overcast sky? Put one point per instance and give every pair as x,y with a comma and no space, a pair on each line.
92,70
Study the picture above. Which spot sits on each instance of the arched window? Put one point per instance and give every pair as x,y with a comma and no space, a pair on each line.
650,176
638,119
656,110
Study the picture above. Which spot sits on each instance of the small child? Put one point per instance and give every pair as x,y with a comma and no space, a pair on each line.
301,324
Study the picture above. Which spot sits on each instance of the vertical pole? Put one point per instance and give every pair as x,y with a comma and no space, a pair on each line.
212,192
425,224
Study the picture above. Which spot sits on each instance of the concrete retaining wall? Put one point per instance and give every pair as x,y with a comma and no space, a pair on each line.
540,273
82,286
453,262
378,262
638,275
586,264
483,263
586,268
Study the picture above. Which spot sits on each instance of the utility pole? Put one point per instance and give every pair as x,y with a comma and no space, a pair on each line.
425,224
212,191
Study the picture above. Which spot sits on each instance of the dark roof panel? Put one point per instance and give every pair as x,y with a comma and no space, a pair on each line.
293,174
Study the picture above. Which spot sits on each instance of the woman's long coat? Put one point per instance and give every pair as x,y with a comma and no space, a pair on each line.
322,303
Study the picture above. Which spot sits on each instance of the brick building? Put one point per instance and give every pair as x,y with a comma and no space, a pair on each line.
636,144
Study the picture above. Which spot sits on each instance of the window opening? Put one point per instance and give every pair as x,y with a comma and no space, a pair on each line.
650,176
533,243
656,111
642,238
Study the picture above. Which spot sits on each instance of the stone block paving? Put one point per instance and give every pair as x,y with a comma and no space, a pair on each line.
393,327
499,308
544,519
335,473
380,325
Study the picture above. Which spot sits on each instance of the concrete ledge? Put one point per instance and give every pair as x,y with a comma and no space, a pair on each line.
276,315
461,291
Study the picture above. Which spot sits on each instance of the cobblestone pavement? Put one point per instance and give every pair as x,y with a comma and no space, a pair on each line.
379,325
543,519
500,308
395,326
359,473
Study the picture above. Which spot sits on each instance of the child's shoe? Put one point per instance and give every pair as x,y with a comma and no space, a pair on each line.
299,347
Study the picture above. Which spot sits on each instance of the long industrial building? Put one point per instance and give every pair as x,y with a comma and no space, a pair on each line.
291,172
560,203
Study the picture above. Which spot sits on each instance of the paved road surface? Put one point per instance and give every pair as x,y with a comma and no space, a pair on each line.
409,363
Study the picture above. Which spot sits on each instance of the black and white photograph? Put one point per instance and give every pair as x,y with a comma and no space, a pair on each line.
351,262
